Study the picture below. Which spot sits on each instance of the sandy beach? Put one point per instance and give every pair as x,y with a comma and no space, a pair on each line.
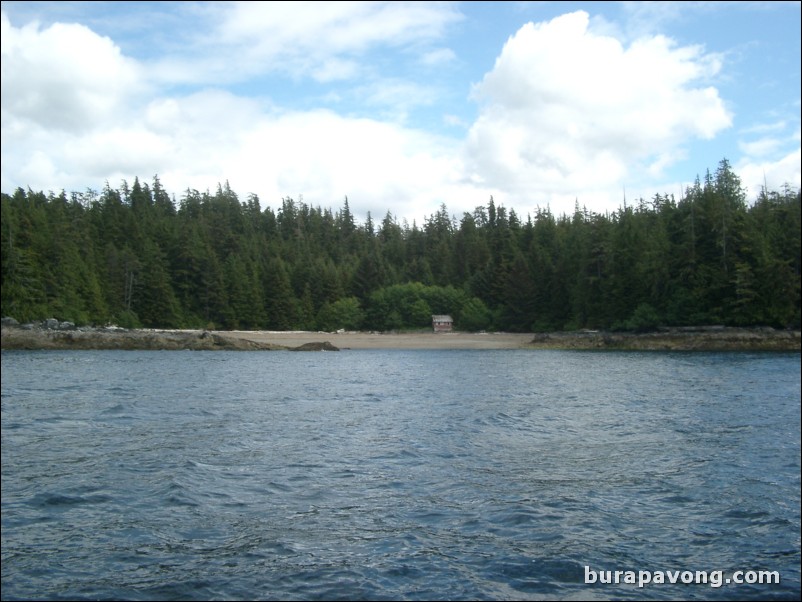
703,339
368,340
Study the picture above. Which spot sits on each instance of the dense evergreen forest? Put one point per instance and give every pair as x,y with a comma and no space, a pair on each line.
135,256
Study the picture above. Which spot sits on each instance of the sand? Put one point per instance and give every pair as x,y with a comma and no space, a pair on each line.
690,339
368,340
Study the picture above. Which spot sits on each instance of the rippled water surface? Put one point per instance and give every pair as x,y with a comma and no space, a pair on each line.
388,474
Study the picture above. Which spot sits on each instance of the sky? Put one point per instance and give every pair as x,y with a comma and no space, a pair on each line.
402,107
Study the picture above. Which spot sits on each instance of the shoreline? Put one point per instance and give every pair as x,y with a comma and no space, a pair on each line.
677,339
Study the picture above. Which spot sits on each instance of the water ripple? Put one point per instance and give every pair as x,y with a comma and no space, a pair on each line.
388,475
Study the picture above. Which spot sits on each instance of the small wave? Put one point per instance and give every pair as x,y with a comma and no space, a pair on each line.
273,487
745,514
43,500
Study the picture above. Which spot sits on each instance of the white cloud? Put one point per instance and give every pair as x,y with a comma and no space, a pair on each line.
320,155
331,27
765,128
454,121
441,56
393,98
64,77
772,159
761,147
64,90
565,114
325,157
322,40
774,174
334,69
568,113
109,132
216,116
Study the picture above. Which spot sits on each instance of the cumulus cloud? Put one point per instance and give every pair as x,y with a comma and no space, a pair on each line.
326,157
64,77
64,91
568,113
108,132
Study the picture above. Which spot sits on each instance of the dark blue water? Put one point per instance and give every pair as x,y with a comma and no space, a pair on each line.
396,474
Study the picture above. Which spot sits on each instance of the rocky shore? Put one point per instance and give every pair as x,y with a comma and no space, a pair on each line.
711,338
66,336
53,334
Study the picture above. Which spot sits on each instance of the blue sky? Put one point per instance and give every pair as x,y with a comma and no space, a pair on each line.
402,106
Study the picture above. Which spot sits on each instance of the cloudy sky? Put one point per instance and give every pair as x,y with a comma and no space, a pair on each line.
401,106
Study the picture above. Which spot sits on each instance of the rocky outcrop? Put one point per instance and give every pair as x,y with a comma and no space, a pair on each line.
44,336
711,338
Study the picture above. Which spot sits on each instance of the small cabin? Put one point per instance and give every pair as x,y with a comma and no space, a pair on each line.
442,323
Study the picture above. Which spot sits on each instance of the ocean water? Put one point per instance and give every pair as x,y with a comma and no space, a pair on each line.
392,474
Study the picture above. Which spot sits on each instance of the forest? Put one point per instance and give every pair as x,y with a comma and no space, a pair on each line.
136,256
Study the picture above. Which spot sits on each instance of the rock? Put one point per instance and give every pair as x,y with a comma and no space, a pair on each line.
40,338
324,346
696,338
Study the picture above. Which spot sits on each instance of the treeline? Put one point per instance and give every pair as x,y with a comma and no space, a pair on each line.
135,256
